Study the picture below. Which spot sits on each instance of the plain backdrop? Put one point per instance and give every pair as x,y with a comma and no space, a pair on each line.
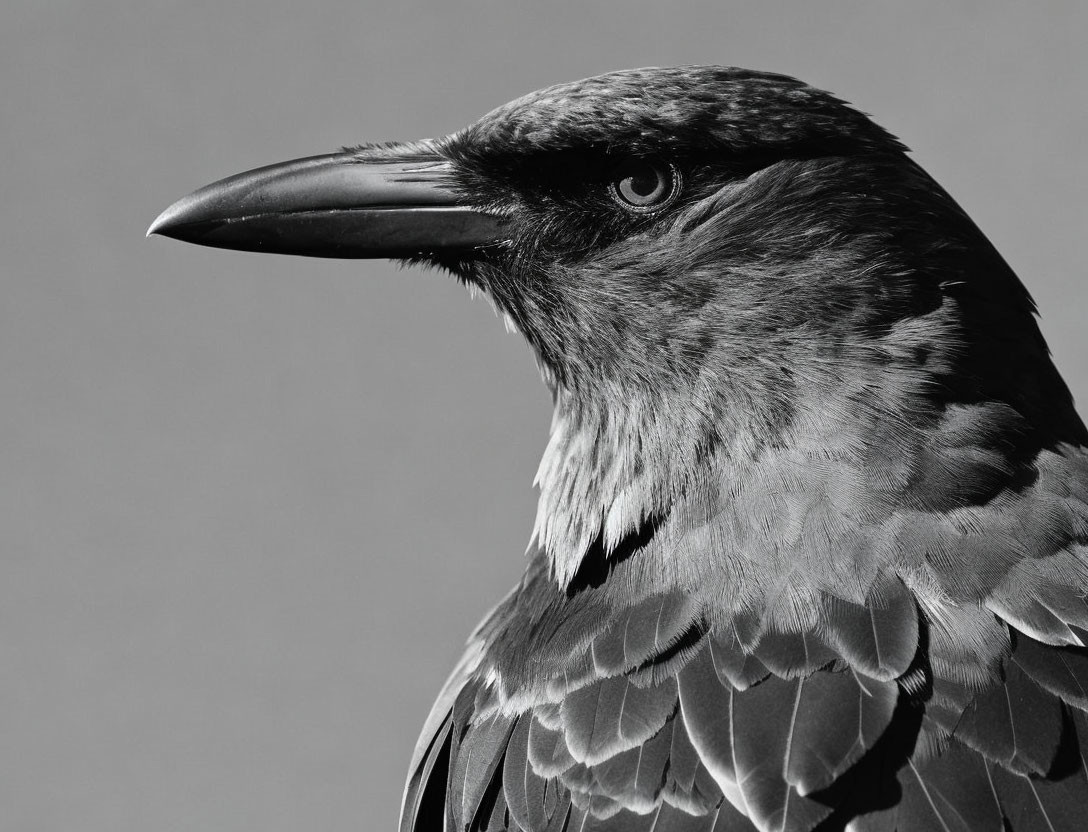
251,506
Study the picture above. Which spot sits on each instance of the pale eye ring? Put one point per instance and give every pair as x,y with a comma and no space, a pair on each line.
644,184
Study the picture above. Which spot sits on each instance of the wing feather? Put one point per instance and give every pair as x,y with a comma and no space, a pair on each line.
614,715
1017,724
735,667
879,638
636,777
547,749
1061,670
793,654
526,792
420,808
646,630
1032,804
839,716
950,792
761,720
476,763
705,703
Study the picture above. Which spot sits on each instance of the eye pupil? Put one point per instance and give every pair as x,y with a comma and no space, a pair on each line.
642,184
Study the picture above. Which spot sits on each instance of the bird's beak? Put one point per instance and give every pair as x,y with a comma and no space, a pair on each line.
337,205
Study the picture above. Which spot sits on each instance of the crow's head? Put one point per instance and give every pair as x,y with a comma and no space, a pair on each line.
661,218
709,262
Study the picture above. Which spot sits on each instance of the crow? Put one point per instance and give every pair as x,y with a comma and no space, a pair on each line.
811,550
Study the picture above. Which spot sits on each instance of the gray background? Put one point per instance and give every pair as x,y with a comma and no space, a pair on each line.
251,506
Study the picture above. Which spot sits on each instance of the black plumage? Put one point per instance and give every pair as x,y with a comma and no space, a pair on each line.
812,546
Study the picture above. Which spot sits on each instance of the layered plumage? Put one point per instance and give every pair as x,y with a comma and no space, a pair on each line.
812,542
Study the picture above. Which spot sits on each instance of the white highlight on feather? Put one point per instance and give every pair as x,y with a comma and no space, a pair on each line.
1060,636
493,679
939,611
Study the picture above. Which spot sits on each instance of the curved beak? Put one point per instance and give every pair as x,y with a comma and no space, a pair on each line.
336,205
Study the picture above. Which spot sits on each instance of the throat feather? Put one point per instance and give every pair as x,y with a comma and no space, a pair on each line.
607,477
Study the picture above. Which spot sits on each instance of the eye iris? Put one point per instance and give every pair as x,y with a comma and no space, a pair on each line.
643,185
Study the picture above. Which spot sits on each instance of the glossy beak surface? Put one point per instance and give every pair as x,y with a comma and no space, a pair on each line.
336,205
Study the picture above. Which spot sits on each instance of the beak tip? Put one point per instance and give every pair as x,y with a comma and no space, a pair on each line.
165,221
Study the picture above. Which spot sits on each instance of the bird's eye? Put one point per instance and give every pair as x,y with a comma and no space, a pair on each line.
643,185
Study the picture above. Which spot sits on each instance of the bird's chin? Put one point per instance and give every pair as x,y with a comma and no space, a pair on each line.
339,205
